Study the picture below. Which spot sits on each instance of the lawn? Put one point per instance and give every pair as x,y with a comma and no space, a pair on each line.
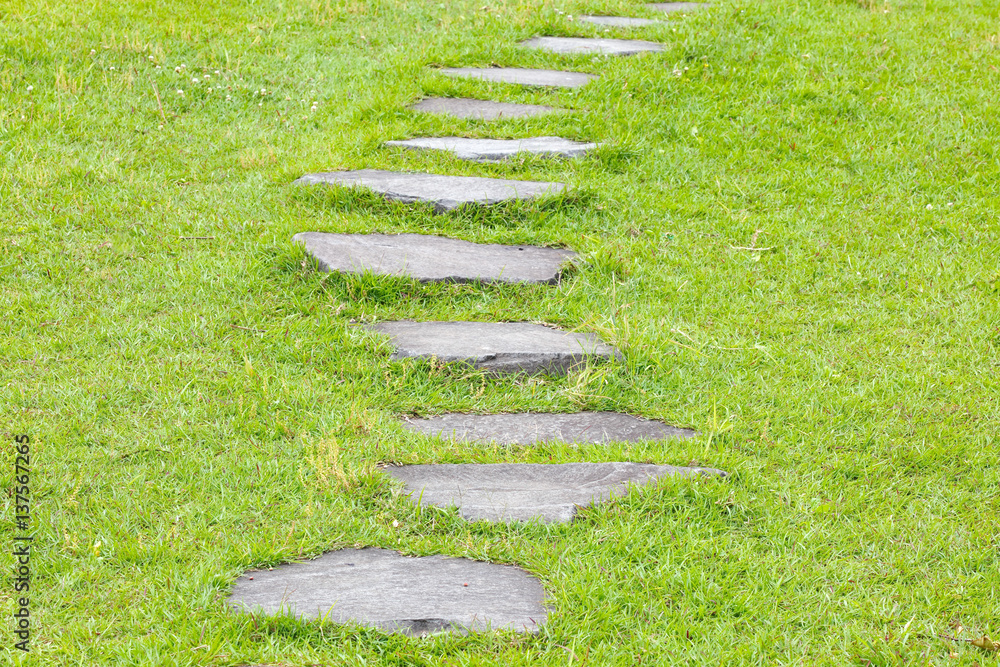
790,231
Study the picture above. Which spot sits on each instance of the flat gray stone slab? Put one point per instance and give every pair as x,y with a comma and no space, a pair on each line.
599,45
618,21
445,192
529,428
495,150
674,7
526,491
464,107
434,258
524,77
383,589
497,347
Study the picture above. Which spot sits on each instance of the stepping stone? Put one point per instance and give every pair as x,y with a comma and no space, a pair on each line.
445,192
497,347
618,21
526,491
611,47
434,258
532,428
524,77
383,589
672,7
462,107
495,150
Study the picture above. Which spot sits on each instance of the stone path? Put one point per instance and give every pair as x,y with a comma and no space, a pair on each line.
434,258
618,21
592,45
463,107
445,192
673,7
529,428
496,347
524,77
382,589
527,491
496,150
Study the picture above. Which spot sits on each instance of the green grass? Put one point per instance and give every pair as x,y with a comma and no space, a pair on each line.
184,395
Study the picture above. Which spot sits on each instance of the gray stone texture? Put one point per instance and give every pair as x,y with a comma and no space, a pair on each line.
434,258
600,45
674,7
524,77
463,107
527,491
445,192
529,428
495,150
496,347
383,589
618,21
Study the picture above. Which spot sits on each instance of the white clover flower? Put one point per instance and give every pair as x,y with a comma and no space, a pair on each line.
950,204
930,206
31,88
195,80
180,92
217,71
229,97
112,68
177,69
93,51
151,57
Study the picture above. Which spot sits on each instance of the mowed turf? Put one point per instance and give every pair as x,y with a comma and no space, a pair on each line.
790,232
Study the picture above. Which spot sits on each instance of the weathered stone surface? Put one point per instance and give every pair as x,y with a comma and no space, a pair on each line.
672,7
526,491
463,107
611,47
524,77
497,347
383,589
529,428
445,192
434,258
495,150
618,21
